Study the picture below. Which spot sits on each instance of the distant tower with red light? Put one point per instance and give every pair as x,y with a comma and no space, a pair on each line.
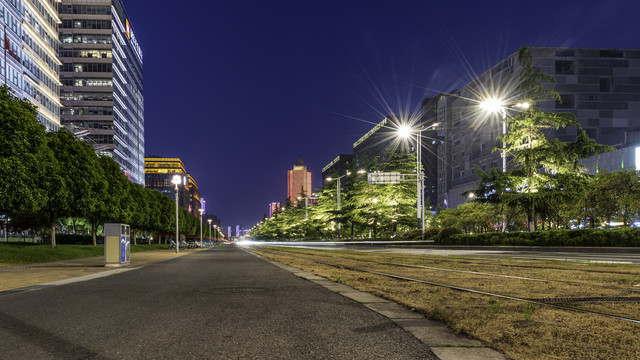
298,182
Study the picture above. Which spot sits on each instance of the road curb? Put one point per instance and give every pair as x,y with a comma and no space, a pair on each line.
441,339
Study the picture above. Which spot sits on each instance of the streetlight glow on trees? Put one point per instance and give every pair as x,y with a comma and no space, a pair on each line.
494,105
405,132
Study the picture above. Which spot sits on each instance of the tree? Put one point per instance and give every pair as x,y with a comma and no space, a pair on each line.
59,199
547,171
83,174
385,208
25,159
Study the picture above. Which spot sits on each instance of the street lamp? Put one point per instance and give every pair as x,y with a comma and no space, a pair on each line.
306,213
405,132
176,180
209,221
339,196
498,106
201,211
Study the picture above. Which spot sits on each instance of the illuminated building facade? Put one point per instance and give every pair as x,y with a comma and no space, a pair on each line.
298,182
159,172
30,45
102,81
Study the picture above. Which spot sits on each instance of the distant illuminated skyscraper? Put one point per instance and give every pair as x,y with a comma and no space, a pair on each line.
298,182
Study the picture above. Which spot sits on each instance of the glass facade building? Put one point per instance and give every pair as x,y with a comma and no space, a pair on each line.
159,172
102,81
29,63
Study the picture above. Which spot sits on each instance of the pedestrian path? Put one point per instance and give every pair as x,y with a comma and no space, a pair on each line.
28,276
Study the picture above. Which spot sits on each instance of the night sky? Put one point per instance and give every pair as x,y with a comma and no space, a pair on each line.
239,89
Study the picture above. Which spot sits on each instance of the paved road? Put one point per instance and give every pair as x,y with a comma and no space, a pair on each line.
597,255
215,304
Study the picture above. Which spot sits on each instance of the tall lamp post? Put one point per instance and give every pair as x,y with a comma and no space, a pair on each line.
306,212
201,211
405,132
176,180
498,106
339,195
210,236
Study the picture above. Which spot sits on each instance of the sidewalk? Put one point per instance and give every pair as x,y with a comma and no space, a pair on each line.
28,276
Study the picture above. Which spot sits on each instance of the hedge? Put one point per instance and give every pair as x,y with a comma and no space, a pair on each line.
624,237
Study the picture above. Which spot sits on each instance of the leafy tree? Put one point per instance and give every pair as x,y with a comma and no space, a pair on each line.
83,173
547,171
58,186
25,159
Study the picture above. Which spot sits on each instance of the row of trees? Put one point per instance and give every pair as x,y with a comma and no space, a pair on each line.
46,177
546,185
379,210
607,198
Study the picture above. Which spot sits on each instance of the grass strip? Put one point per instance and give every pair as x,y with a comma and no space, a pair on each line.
17,254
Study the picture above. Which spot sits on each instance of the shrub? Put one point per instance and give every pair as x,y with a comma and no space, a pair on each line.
431,234
626,237
447,232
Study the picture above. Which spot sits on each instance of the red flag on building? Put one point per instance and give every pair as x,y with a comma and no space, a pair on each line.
7,44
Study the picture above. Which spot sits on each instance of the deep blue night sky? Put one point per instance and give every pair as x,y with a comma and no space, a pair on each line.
240,89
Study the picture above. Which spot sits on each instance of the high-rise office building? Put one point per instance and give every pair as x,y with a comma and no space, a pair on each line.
102,81
298,182
29,63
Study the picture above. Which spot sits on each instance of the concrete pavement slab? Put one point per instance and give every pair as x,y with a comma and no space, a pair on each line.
393,311
308,276
459,353
434,333
363,297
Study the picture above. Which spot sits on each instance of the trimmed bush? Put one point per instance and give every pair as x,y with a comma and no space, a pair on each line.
431,234
624,237
447,232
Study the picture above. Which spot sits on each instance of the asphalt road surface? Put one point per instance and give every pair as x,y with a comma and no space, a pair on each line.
216,304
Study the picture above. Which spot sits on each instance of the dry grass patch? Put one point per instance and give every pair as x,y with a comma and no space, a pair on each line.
521,330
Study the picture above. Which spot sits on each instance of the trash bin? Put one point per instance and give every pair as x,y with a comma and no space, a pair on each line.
116,244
